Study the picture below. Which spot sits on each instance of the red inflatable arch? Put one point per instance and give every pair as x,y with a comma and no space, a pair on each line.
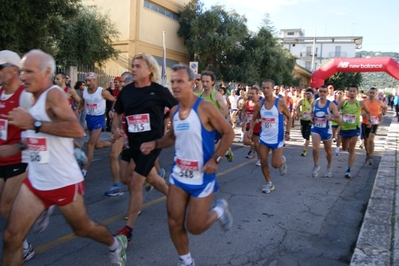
376,64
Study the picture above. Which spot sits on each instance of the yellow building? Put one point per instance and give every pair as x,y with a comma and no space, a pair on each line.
303,74
141,24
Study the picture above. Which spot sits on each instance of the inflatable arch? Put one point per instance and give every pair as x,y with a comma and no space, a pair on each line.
376,64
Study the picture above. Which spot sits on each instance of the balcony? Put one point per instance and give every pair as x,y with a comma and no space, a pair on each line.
337,54
306,54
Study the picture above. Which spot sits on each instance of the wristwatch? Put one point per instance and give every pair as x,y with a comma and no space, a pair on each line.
218,159
38,124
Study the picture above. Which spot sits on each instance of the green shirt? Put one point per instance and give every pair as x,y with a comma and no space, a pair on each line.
350,115
210,98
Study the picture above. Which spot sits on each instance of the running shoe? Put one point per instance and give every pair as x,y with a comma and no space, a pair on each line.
304,153
42,222
348,174
361,146
336,151
258,163
315,171
84,172
148,186
334,140
269,187
118,256
125,231
250,155
114,191
226,220
283,167
162,173
127,215
181,263
28,253
328,172
229,155
370,161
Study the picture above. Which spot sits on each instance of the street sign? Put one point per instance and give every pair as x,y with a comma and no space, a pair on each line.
194,67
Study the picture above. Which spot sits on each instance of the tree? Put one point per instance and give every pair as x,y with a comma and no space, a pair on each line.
27,24
87,39
344,79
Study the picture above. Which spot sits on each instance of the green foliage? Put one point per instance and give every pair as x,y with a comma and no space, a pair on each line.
379,80
220,41
344,79
87,39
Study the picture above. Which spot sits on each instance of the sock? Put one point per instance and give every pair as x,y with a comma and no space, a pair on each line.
187,258
219,211
115,245
348,169
26,244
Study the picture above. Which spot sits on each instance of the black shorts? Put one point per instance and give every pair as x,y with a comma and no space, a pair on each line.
125,155
253,133
305,128
367,130
8,171
144,163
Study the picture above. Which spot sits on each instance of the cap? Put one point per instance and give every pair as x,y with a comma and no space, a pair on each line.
330,87
91,75
117,79
10,57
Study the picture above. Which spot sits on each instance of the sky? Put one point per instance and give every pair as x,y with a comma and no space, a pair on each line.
374,20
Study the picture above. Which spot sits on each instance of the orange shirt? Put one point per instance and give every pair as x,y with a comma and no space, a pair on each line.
374,108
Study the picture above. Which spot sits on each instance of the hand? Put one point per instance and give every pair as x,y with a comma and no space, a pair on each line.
369,125
287,137
249,133
21,118
147,147
328,117
118,133
210,167
111,114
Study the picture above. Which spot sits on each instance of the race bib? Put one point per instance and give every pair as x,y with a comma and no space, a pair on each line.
349,118
268,122
320,122
138,123
307,115
187,169
91,108
374,120
3,129
38,150
249,117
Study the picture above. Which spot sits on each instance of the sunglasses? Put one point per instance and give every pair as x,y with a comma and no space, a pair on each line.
322,91
198,79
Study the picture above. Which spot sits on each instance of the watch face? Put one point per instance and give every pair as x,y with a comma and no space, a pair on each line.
37,124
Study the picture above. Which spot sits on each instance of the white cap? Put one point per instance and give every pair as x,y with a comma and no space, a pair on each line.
9,57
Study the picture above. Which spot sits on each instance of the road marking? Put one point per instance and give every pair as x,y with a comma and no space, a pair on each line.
120,216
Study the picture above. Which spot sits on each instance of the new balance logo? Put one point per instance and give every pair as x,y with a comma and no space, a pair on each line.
343,65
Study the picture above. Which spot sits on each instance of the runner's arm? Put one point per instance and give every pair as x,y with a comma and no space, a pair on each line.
336,117
223,107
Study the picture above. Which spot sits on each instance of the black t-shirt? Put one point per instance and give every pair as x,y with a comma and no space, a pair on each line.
150,100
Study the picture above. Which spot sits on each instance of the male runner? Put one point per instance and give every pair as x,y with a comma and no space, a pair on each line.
304,113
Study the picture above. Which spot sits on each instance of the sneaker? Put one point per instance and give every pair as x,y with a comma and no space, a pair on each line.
229,155
125,231
258,163
269,187
336,151
361,146
304,152
28,253
181,263
315,171
250,155
328,172
226,220
148,186
118,256
114,191
370,161
84,172
283,168
162,173
127,215
348,174
334,140
42,222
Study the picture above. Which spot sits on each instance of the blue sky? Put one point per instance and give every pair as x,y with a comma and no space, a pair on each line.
372,19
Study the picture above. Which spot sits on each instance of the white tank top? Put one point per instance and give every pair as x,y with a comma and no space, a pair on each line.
94,102
272,127
52,164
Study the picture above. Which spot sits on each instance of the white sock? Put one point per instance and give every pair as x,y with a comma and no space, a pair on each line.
187,258
26,244
115,245
219,210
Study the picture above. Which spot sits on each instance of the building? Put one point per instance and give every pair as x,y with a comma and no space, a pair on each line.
318,49
141,24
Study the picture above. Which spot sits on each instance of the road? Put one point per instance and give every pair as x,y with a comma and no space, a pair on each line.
305,221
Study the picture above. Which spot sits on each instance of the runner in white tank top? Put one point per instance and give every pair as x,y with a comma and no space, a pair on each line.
53,176
193,178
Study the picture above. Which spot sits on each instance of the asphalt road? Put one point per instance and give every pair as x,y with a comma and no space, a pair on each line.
305,221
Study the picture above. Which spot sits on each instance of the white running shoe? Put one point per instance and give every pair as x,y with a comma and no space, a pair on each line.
226,220
28,253
44,219
283,168
269,187
118,256
258,163
315,171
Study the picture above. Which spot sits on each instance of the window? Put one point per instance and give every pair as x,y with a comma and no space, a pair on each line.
291,33
308,65
169,63
160,10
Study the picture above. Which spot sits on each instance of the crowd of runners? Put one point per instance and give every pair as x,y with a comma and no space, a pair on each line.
42,165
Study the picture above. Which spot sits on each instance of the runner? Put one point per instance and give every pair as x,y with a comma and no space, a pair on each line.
13,168
323,111
60,80
350,131
54,175
304,113
339,97
272,111
193,177
232,102
143,102
198,85
94,98
377,111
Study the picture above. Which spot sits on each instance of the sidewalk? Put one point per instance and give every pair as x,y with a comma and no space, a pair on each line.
378,241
